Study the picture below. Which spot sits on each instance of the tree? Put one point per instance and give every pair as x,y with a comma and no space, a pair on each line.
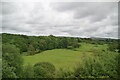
7,70
12,59
31,50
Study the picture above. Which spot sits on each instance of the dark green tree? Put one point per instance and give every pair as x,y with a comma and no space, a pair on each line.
31,50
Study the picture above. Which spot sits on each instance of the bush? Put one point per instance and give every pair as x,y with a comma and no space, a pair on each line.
96,51
38,51
64,73
44,70
90,68
97,67
113,47
70,47
28,72
73,45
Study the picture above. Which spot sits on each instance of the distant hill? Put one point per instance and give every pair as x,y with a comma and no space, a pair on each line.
99,38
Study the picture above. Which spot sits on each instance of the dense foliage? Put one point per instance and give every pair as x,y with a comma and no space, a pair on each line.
44,70
12,61
33,45
102,64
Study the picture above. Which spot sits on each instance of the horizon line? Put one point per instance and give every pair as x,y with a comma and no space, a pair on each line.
61,36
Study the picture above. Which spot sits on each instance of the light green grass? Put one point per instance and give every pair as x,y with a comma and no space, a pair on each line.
63,58
85,47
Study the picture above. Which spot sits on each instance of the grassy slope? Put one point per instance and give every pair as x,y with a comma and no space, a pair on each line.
63,58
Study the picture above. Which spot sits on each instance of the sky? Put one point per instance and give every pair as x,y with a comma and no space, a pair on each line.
70,19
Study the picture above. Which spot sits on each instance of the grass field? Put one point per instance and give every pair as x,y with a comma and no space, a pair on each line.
64,58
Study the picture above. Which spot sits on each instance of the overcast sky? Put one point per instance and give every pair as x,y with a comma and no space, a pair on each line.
75,19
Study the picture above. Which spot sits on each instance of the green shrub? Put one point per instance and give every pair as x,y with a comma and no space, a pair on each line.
97,67
73,45
44,70
37,51
28,71
114,47
70,47
61,73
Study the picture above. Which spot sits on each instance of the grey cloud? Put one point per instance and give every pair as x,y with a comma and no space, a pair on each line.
65,6
13,27
8,8
65,19
95,10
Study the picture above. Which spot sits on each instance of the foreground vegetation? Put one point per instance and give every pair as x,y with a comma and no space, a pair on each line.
59,57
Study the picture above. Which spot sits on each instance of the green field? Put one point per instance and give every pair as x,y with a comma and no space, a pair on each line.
64,58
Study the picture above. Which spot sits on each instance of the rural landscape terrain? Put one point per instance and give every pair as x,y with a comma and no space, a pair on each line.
59,57
59,39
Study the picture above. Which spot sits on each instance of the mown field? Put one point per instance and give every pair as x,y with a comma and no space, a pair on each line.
65,58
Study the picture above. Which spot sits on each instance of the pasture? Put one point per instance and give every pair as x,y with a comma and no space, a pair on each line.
65,58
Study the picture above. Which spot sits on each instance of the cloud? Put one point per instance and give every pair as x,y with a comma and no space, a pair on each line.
11,6
96,11
83,19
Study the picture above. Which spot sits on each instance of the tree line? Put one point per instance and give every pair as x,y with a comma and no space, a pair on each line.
37,44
